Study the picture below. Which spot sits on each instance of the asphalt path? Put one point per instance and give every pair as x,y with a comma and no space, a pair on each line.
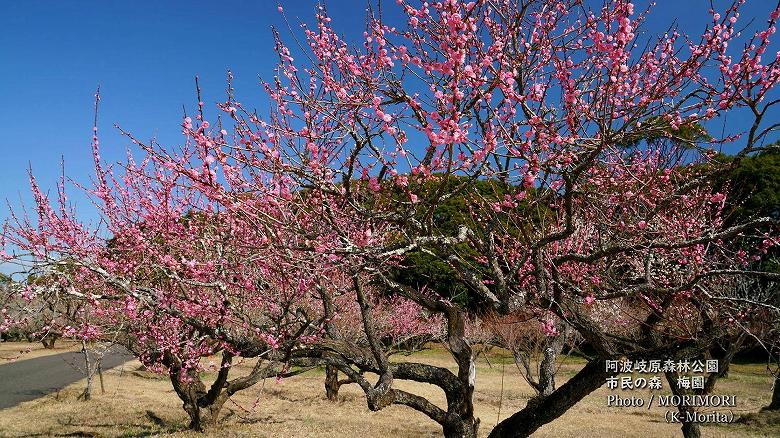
29,379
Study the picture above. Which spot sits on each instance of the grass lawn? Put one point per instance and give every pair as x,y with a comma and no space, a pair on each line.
138,403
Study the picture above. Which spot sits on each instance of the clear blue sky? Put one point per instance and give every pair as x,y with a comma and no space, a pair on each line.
144,55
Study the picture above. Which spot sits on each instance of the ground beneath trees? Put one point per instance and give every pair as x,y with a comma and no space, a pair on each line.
138,403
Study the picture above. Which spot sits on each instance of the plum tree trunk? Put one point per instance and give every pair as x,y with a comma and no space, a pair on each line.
203,418
461,428
203,405
87,394
547,369
774,405
543,410
690,429
332,384
202,410
48,341
461,420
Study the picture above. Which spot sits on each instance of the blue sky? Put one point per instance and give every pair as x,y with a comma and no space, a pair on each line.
144,55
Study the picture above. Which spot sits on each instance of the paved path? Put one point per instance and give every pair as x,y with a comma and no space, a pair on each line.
29,379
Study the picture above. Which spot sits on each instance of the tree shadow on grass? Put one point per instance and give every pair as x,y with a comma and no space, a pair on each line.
159,427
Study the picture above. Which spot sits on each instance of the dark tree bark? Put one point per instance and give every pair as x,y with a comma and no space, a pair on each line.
460,406
332,383
543,410
774,405
547,368
461,429
202,406
87,394
201,418
48,341
690,429
457,420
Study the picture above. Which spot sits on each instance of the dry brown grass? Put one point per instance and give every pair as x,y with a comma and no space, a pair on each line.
141,404
14,351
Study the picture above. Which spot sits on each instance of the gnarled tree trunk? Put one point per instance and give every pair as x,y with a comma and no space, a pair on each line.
202,410
546,409
457,420
201,405
461,428
460,405
332,384
774,405
87,394
49,340
547,368
202,418
690,429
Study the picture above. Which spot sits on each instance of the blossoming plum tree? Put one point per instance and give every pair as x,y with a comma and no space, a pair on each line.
168,276
551,99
